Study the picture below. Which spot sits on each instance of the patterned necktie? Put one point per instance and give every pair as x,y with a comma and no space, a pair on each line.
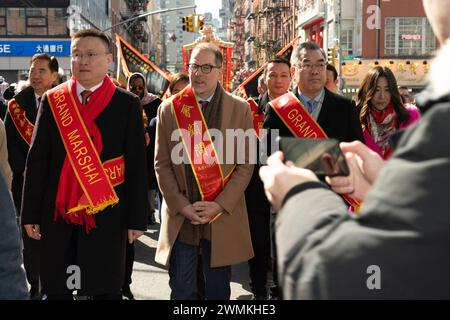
85,96
204,105
311,105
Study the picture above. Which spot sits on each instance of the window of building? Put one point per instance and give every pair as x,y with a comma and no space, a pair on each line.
347,42
408,36
36,22
15,21
57,22
2,22
36,12
33,22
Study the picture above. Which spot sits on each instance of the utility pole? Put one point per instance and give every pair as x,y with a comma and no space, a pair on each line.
339,28
148,14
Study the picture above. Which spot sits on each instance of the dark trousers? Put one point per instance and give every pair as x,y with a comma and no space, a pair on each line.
129,261
275,290
259,220
183,273
31,259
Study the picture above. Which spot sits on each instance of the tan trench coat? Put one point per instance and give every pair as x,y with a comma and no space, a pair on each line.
230,233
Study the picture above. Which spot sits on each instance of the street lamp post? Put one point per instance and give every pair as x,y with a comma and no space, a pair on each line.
148,14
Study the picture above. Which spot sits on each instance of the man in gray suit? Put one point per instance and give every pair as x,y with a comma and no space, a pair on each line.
397,247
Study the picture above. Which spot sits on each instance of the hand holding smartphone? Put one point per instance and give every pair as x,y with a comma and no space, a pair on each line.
322,156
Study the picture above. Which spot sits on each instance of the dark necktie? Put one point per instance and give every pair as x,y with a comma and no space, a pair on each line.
38,102
85,96
204,105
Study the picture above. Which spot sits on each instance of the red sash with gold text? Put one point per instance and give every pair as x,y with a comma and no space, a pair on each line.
201,152
95,179
298,120
18,117
258,119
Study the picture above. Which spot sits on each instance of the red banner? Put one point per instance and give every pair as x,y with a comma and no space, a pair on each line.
18,117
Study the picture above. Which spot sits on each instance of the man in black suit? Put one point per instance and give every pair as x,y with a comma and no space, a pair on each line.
397,247
336,115
19,124
277,77
63,179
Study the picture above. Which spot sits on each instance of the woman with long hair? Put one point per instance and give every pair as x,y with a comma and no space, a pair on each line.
381,110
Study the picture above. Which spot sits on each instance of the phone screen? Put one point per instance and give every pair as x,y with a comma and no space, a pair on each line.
322,156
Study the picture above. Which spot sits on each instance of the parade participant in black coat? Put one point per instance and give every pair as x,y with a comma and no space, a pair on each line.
85,191
335,114
19,124
397,247
277,78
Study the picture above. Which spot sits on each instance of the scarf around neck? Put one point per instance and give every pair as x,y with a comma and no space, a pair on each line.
70,194
381,126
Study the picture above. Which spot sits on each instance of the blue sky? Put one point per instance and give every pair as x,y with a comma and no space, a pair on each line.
212,6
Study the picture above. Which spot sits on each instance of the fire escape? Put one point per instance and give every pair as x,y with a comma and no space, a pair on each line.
137,29
271,21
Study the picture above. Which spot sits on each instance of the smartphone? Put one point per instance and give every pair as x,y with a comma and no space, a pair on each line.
322,156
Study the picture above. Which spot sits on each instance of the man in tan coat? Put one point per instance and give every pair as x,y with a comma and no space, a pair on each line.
204,207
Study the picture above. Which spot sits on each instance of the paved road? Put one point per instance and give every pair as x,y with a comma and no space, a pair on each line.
151,280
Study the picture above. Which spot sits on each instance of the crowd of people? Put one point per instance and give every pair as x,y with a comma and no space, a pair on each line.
83,161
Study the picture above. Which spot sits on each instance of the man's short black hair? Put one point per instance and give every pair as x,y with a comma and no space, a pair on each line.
277,60
52,62
331,68
305,46
280,60
93,33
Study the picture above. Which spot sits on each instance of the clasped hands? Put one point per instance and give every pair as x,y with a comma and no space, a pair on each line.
201,212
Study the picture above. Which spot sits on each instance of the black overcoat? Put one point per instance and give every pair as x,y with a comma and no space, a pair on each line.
17,147
338,118
101,253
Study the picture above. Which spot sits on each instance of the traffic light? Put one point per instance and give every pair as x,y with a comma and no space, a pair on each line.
188,23
331,56
201,22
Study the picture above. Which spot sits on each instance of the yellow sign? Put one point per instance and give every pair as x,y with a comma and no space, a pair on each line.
411,73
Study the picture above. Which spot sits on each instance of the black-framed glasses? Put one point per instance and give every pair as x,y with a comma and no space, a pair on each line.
205,68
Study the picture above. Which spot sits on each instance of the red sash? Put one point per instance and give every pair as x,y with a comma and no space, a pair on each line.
85,185
258,119
298,120
201,152
18,117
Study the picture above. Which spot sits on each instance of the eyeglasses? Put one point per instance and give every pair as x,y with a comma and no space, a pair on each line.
205,68
310,66
87,56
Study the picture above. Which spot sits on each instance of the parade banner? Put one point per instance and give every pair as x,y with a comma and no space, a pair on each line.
193,129
18,117
258,118
207,35
130,60
249,88
298,120
97,189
